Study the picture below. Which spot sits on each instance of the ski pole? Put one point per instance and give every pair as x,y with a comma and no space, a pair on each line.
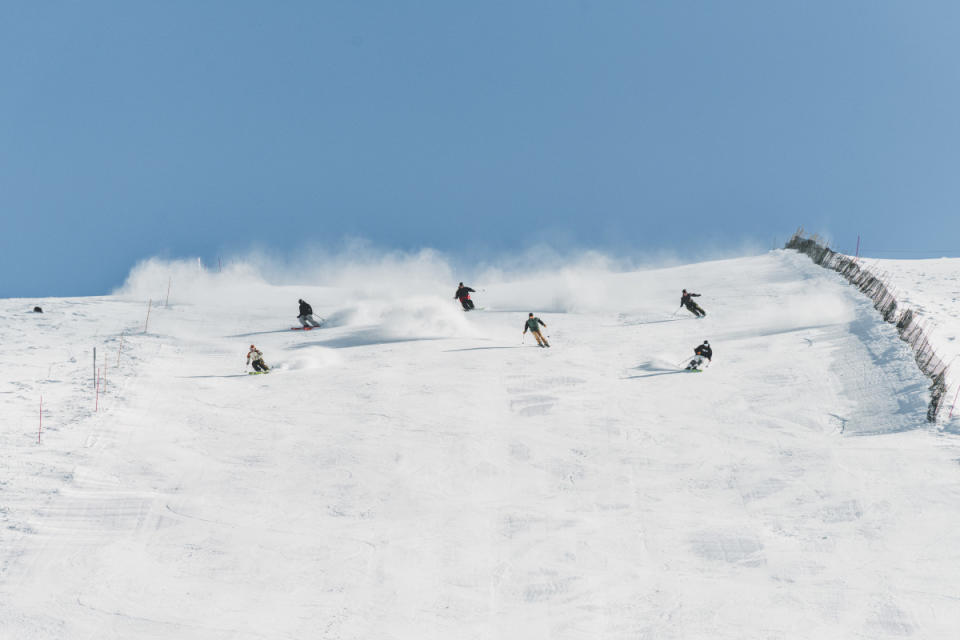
678,309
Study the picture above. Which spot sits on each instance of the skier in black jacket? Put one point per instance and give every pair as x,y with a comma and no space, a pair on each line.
700,352
306,316
686,300
704,350
463,295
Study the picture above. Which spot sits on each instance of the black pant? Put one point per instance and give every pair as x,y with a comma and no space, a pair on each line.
260,365
467,303
695,309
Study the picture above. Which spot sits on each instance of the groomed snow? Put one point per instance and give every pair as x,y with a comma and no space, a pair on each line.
412,471
932,289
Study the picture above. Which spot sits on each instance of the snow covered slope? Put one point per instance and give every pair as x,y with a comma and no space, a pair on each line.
931,288
412,471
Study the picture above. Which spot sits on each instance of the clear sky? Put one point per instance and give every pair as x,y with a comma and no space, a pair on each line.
201,128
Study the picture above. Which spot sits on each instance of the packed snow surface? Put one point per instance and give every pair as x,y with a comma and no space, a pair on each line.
413,471
932,289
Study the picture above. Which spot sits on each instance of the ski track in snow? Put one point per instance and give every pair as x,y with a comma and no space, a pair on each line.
404,474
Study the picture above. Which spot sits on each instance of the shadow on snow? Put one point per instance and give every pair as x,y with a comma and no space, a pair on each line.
481,349
363,338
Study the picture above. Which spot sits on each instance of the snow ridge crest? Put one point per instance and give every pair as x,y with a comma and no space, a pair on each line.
909,323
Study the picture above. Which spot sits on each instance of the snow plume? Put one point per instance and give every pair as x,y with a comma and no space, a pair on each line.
368,273
189,281
356,272
542,280
391,319
405,294
361,285
814,309
314,358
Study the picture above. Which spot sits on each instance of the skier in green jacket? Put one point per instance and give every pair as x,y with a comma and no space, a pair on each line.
533,324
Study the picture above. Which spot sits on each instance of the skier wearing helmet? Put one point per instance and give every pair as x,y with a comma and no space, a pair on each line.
700,352
255,357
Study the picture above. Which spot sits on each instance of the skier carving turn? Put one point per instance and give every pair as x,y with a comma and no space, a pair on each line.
305,315
255,357
533,324
700,353
686,300
463,295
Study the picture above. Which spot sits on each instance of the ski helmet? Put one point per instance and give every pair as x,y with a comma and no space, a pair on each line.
252,347
531,315
684,290
706,343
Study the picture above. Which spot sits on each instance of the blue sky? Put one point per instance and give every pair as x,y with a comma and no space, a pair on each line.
198,128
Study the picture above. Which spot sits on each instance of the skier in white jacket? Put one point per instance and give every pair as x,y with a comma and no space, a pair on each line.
255,356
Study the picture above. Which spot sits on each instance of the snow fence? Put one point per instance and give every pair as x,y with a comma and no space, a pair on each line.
911,327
